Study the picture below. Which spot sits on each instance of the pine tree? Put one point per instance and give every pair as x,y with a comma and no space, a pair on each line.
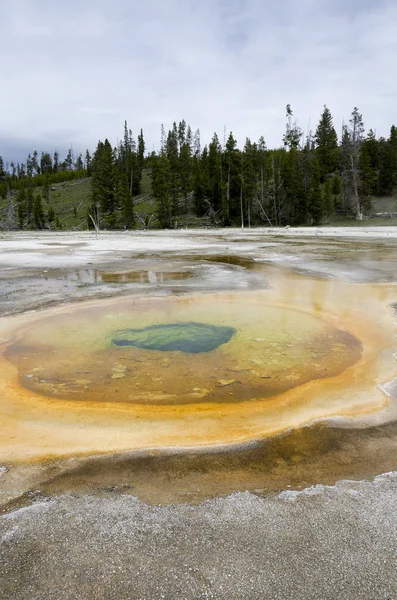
51,214
69,160
172,153
141,149
103,181
88,163
293,133
231,179
21,206
181,133
35,162
56,162
250,178
29,202
46,190
326,144
21,214
368,174
185,160
387,153
135,170
295,195
329,206
38,212
316,203
189,139
161,179
265,198
45,163
127,161
2,171
124,200
336,185
214,172
29,166
79,164
392,145
201,183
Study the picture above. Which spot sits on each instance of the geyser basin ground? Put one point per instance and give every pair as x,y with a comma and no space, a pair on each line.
321,542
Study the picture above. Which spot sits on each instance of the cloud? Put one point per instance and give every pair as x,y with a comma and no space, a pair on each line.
75,71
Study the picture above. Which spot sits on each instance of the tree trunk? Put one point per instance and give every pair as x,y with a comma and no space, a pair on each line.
241,205
11,221
228,192
274,195
96,225
359,214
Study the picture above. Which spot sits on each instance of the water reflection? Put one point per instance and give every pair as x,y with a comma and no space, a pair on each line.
94,276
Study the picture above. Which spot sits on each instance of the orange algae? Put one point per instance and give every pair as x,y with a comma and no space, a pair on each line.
306,350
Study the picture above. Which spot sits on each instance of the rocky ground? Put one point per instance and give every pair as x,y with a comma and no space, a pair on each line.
338,542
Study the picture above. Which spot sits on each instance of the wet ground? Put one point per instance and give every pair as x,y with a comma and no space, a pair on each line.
300,392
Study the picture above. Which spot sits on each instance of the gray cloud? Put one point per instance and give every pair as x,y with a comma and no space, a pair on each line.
72,72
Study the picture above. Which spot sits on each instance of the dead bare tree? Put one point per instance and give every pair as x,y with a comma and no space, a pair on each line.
241,204
259,201
212,213
11,219
145,220
352,137
95,218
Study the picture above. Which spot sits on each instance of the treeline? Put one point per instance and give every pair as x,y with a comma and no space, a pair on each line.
19,183
300,183
308,179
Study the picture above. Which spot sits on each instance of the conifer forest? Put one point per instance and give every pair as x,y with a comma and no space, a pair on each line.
221,182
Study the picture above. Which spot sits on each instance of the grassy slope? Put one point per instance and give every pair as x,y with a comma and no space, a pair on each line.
145,204
70,201
379,205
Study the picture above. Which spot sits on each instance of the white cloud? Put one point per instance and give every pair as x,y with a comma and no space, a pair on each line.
73,72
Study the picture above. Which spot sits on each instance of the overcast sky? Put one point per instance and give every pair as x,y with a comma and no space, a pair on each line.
73,71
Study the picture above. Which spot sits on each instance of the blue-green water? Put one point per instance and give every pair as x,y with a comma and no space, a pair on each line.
191,337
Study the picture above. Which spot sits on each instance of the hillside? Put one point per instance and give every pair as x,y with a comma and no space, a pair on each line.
71,201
